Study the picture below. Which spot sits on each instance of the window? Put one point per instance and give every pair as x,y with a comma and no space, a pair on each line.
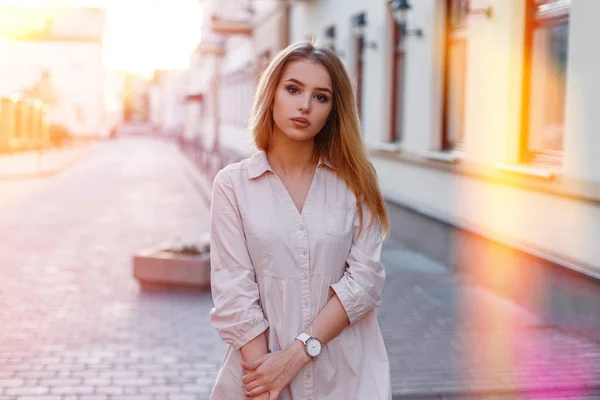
546,45
455,74
358,23
398,67
359,49
330,33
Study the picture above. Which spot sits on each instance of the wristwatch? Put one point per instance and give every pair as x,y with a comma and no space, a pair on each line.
312,345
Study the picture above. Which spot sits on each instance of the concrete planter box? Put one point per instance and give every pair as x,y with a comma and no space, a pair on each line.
163,268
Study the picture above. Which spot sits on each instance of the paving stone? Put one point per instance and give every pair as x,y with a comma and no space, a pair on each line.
72,390
26,391
41,398
132,382
4,383
110,390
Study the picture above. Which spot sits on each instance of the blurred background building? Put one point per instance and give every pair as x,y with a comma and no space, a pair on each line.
239,38
54,54
477,115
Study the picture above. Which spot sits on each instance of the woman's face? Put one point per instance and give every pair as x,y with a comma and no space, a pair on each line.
303,100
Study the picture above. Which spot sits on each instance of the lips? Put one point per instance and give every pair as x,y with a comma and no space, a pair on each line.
301,122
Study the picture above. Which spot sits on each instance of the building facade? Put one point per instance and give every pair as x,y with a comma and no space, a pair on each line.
58,58
167,92
239,38
478,117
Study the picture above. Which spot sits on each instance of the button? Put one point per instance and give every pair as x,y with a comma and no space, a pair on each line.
308,375
305,275
301,227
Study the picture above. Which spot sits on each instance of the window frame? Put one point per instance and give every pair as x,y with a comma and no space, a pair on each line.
359,54
397,71
533,22
453,34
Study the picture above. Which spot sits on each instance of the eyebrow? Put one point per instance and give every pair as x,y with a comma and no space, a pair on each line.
302,84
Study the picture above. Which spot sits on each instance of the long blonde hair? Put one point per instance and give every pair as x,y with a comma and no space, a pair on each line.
340,139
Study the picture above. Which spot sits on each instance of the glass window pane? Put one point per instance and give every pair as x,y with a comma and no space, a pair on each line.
458,15
399,93
457,57
548,87
552,8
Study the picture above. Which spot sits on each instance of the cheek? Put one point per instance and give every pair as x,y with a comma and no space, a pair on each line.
282,103
278,107
322,116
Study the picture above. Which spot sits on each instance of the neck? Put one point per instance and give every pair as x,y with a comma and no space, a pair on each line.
290,157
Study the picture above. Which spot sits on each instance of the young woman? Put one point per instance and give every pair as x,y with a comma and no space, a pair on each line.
296,234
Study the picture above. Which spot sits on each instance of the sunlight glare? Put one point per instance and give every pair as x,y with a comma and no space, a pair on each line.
140,36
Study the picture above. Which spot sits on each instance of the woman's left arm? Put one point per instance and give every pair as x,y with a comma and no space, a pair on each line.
355,294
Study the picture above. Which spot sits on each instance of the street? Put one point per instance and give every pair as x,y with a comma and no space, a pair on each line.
75,324
73,320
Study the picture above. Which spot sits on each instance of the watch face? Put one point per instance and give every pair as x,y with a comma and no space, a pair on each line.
313,347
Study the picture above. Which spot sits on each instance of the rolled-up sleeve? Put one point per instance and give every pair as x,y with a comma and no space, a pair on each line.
361,287
237,314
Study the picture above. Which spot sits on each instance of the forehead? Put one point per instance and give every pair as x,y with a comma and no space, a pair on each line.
310,73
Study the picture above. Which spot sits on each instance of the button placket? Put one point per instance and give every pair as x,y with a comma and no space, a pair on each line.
305,282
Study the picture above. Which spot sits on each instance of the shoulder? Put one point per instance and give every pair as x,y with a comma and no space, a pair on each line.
232,173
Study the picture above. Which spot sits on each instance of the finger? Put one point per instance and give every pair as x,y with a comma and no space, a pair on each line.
253,385
274,395
258,391
253,364
249,377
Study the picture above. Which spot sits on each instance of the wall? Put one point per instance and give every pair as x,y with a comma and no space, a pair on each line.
582,143
561,228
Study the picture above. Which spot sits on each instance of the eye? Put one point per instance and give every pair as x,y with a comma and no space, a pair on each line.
322,98
292,89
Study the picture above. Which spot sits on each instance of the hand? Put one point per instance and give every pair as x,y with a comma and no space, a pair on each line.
264,396
274,371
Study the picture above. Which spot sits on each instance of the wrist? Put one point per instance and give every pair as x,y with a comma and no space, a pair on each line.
298,352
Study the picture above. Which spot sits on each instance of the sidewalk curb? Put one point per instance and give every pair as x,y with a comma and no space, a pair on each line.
52,171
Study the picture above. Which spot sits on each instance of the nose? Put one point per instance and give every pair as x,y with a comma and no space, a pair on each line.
304,106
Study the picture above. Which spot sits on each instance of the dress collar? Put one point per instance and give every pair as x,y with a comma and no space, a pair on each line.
258,164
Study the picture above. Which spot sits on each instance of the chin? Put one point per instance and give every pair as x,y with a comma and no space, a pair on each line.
301,138
298,135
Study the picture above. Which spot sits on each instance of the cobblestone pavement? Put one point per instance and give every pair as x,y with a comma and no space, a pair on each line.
74,322
450,339
76,326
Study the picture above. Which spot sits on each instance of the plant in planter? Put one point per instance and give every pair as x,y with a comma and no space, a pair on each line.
175,265
189,249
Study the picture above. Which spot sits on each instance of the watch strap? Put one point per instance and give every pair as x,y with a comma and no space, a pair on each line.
303,337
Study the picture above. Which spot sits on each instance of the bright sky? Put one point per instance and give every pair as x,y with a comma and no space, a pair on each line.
143,35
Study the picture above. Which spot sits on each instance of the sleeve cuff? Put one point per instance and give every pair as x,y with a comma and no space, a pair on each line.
251,334
345,299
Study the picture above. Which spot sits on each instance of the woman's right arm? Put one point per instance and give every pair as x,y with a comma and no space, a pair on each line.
237,314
